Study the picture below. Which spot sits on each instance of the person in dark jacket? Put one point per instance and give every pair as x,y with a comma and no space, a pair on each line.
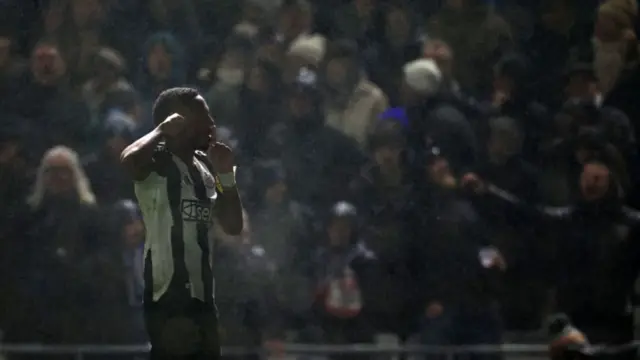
434,119
61,242
597,252
342,277
502,163
512,97
108,179
319,161
454,263
382,191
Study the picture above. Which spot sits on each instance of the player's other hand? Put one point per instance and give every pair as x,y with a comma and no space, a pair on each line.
173,126
221,157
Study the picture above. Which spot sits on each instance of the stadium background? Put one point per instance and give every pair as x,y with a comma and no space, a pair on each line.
323,101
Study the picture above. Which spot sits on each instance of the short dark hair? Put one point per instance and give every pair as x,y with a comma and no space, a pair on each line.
169,100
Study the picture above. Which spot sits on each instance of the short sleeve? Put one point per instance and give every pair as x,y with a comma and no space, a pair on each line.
147,189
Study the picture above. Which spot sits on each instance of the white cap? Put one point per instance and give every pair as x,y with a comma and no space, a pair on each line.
423,76
309,47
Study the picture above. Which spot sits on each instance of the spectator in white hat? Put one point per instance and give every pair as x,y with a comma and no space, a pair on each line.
433,117
304,51
421,79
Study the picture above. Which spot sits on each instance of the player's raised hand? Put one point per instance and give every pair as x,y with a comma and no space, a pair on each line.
221,157
174,125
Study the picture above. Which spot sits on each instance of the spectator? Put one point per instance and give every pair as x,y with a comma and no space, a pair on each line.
60,255
317,159
163,65
355,21
512,97
280,224
301,95
230,77
434,118
342,273
256,14
462,309
442,54
617,57
550,47
258,109
56,116
382,191
587,258
305,51
616,126
77,27
581,134
615,45
109,68
123,312
501,161
12,68
477,34
109,180
399,44
352,103
14,181
244,281
295,21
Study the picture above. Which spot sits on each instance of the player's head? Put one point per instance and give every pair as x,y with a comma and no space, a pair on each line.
192,106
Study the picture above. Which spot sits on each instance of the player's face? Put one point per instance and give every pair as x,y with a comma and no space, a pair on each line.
202,124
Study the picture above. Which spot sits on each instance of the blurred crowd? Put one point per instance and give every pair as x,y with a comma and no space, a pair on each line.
443,171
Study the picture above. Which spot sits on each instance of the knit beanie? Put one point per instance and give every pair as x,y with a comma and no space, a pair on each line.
423,76
309,47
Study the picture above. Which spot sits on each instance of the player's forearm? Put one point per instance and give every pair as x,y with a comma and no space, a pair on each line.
137,158
229,211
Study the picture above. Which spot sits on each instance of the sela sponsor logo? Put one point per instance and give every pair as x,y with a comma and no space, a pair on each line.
198,211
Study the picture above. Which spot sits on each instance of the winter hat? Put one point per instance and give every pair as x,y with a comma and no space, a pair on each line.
343,210
624,12
395,114
423,76
112,58
309,47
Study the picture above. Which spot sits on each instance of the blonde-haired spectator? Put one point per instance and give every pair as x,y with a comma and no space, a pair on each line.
61,174
65,264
